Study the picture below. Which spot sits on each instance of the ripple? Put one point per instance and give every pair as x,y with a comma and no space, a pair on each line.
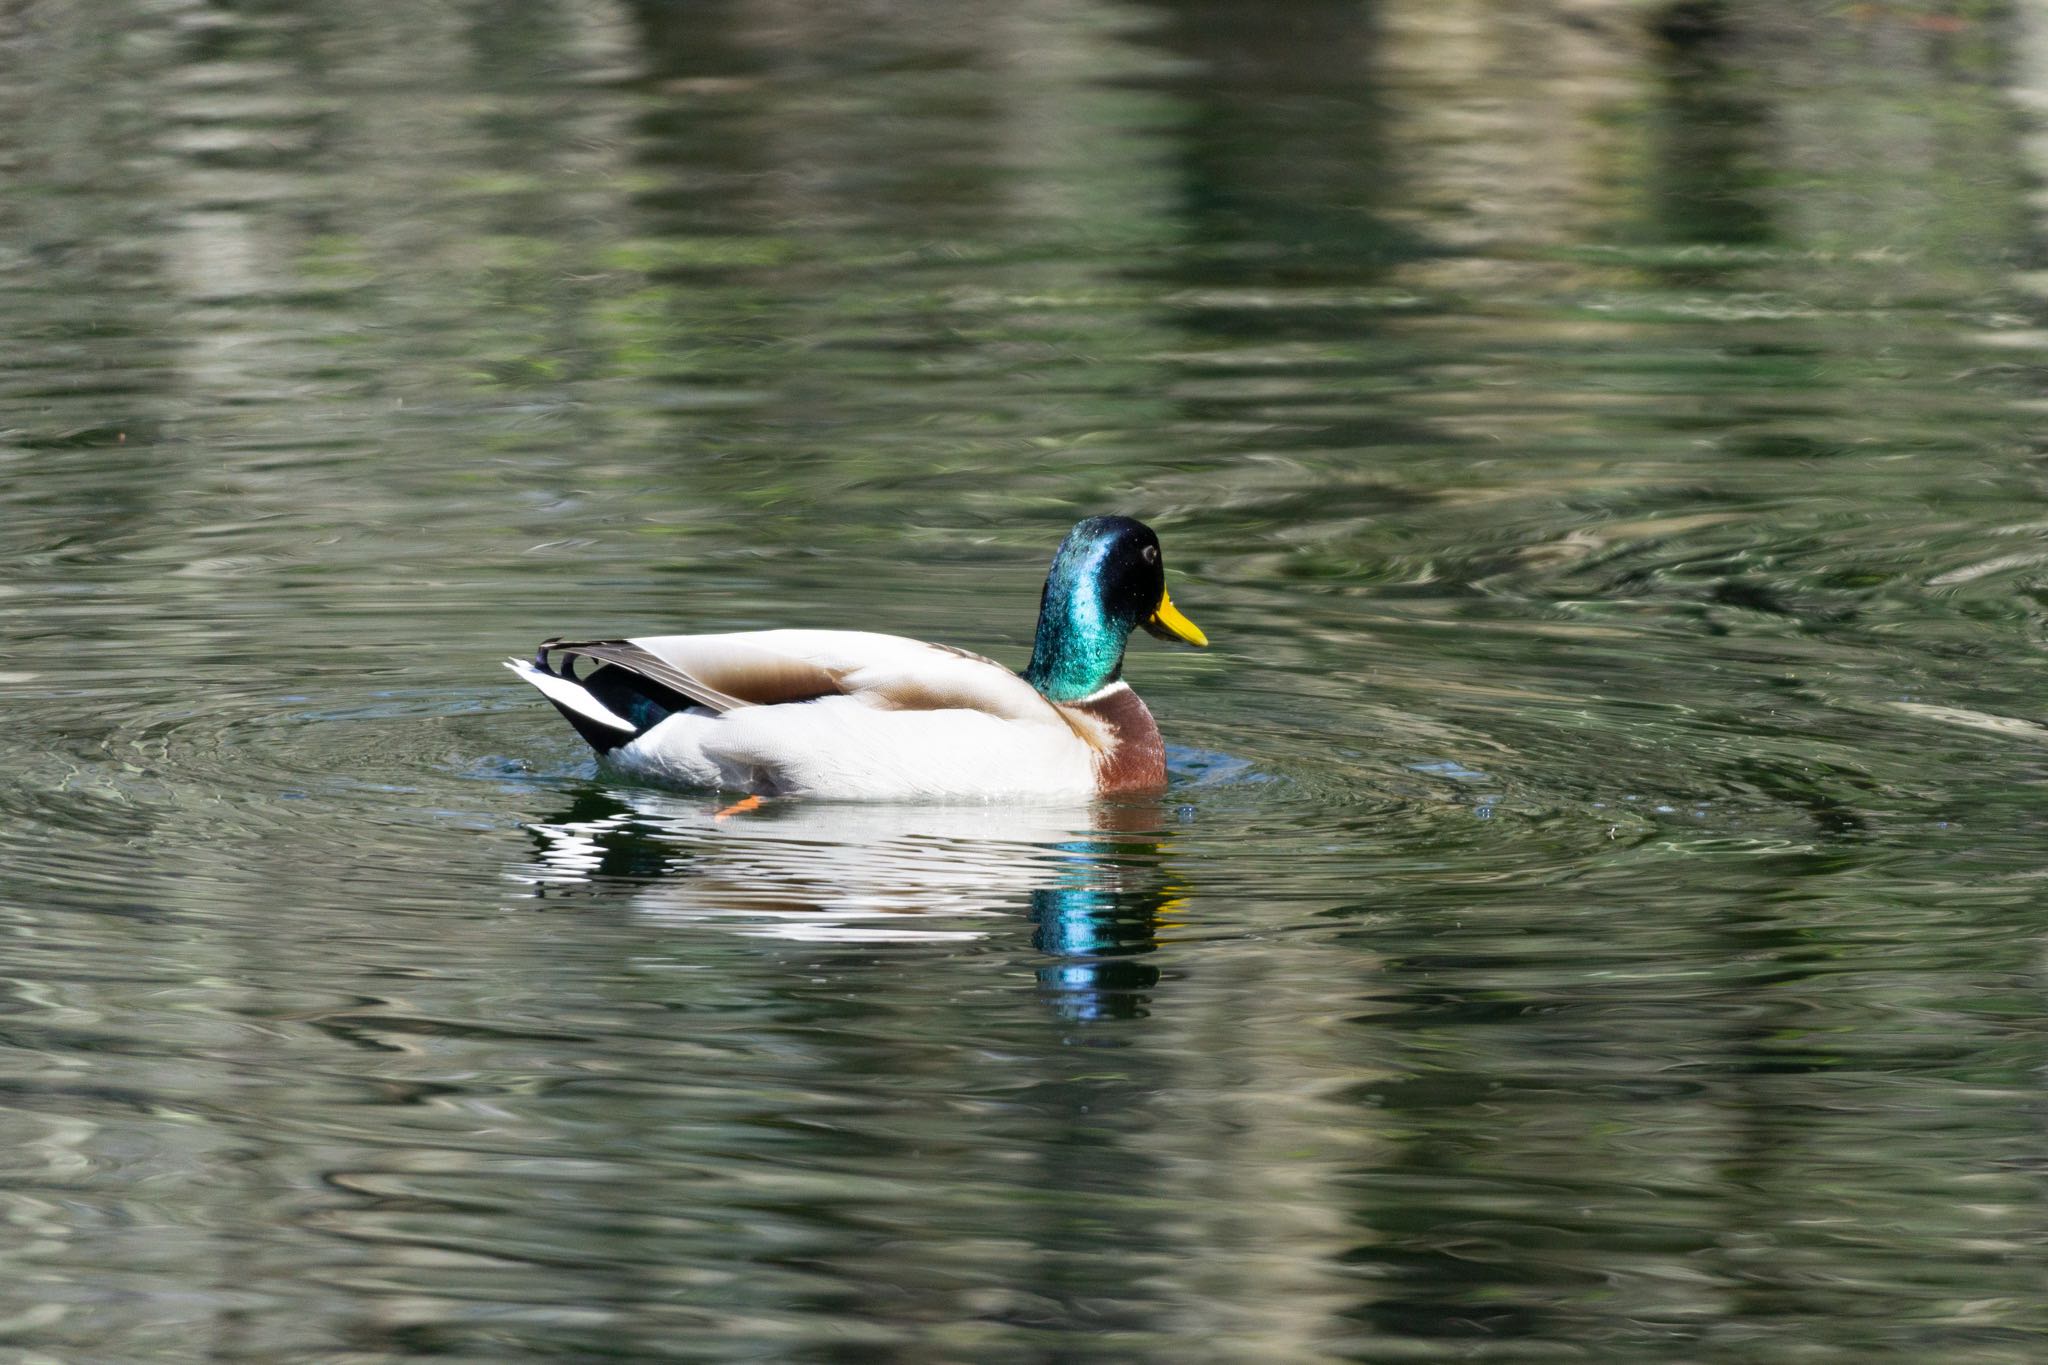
1595,912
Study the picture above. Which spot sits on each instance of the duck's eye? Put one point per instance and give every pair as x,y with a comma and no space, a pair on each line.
1151,553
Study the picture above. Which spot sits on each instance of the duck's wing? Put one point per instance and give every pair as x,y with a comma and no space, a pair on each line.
774,667
716,671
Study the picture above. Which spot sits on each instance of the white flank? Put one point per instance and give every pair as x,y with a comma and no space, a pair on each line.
573,695
841,747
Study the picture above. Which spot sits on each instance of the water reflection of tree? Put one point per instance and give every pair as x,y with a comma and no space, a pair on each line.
1288,184
715,283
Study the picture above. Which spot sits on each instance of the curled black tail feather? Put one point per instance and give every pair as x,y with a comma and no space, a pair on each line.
625,691
637,661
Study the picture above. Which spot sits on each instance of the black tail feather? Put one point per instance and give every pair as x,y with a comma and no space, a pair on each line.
639,699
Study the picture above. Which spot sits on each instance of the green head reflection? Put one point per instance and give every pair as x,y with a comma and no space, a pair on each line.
1098,925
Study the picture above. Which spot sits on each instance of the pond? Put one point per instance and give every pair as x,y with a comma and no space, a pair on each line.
1598,910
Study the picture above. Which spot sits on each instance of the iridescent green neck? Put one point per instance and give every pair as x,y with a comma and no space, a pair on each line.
1080,647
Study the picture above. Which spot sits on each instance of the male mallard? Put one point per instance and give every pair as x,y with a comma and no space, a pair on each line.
846,713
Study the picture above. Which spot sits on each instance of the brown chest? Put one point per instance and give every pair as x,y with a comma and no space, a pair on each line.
1129,755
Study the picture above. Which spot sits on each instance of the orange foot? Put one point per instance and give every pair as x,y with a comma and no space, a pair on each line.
739,807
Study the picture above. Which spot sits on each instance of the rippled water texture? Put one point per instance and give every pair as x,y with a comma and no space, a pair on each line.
1599,910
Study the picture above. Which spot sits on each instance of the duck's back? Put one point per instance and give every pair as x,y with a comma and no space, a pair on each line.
892,672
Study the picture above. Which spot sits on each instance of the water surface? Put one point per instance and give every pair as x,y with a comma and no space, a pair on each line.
1598,910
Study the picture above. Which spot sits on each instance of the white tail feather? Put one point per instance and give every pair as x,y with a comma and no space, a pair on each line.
572,694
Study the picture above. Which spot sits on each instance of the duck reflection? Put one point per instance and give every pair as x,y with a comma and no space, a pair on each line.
1092,879
1096,928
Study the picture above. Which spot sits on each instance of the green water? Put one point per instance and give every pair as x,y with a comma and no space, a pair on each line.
1598,914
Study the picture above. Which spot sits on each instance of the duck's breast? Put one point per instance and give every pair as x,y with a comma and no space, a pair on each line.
1129,754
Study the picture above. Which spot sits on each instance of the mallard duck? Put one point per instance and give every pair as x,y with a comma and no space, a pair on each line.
851,714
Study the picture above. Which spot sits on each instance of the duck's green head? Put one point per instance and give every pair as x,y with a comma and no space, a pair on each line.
1107,578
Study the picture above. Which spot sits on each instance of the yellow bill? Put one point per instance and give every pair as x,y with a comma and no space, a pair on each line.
1167,623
